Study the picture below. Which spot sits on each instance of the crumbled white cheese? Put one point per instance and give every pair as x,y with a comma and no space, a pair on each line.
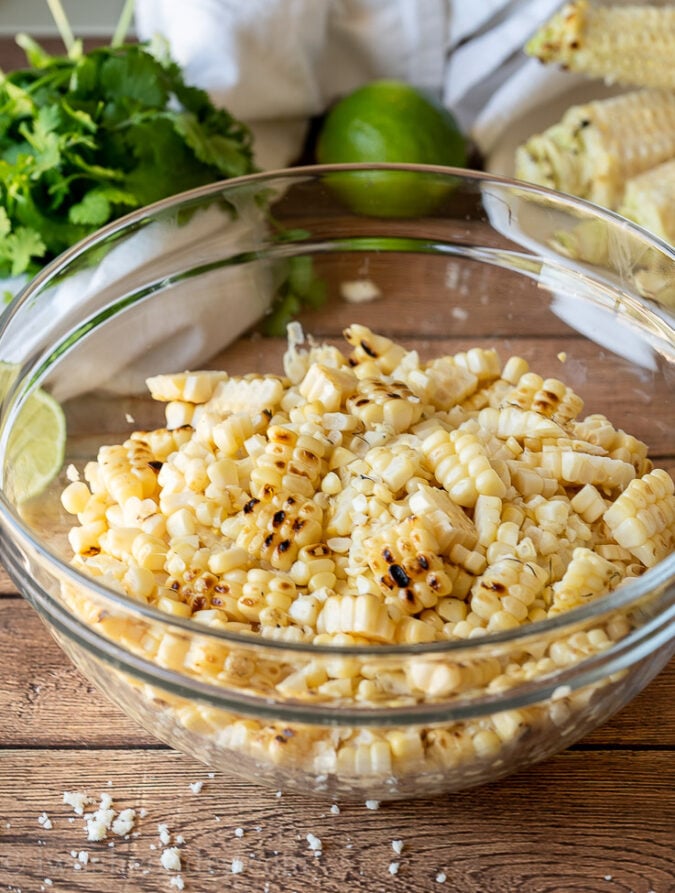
45,821
196,787
180,839
372,804
164,835
397,846
47,882
77,800
335,809
170,859
314,843
393,867
238,832
72,474
83,857
124,822
237,866
177,882
359,291
278,794
441,877
211,774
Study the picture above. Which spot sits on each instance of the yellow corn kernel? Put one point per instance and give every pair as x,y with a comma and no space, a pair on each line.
450,525
368,346
75,497
583,468
360,615
642,518
587,576
461,466
328,386
380,403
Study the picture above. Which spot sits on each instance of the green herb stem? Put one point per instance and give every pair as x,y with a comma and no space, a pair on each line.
123,24
62,23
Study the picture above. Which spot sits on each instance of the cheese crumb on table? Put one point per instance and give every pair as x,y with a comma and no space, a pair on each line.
237,866
170,859
441,877
196,787
397,846
393,867
372,804
45,821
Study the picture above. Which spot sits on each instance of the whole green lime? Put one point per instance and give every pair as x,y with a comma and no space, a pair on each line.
390,121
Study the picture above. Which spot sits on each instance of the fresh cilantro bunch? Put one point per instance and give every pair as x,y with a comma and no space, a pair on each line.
87,137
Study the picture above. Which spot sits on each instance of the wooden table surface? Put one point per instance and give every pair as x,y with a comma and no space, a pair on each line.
598,817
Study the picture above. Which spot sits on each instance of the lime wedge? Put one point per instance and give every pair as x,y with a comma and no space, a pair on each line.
36,445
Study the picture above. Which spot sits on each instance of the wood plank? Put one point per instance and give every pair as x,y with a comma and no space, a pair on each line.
565,825
47,702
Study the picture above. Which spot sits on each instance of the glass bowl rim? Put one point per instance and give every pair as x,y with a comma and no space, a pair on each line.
658,577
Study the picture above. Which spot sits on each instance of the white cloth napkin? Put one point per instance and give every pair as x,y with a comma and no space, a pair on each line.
276,63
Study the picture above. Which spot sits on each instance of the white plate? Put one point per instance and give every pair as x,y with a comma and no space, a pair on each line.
501,160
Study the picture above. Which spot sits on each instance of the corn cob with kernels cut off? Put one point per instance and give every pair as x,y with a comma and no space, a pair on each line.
632,45
597,147
649,200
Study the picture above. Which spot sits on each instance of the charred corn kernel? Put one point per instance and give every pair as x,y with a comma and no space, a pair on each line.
630,45
597,147
642,518
381,403
85,539
406,565
368,346
649,200
76,497
190,387
449,747
587,576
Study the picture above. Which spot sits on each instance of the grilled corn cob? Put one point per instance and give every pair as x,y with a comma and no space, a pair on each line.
632,45
597,147
649,199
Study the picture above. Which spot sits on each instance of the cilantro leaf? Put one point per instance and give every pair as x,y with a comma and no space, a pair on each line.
18,248
88,136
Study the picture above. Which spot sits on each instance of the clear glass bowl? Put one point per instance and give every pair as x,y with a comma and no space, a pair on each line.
479,261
